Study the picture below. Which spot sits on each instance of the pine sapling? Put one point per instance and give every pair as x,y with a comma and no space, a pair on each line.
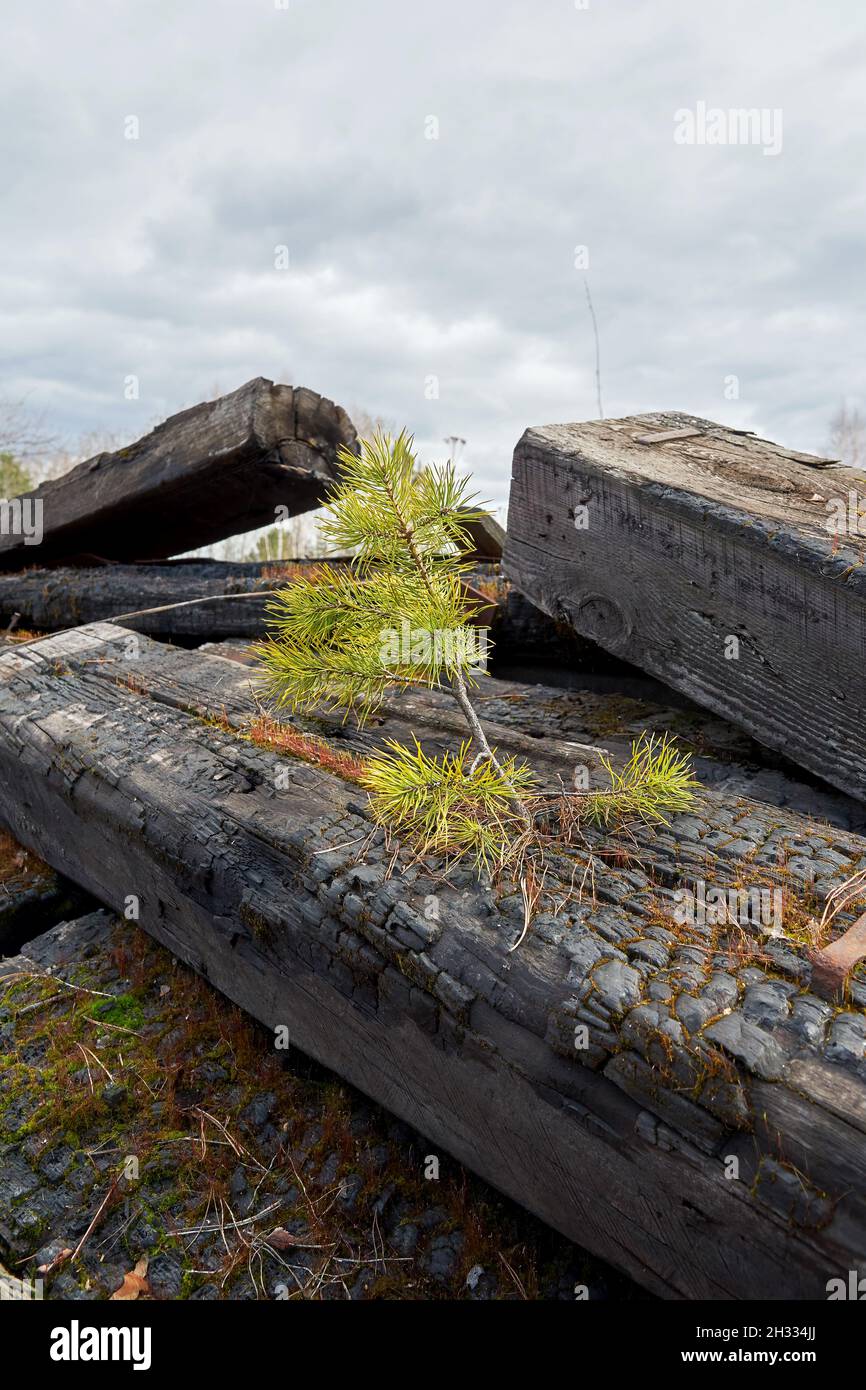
400,616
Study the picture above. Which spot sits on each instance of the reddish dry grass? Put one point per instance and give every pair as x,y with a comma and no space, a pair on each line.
494,590
280,738
16,862
287,571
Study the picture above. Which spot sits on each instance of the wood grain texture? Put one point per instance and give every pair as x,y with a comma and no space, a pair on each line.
707,561
213,471
248,867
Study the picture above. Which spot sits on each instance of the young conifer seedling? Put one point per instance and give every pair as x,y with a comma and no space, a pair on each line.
400,616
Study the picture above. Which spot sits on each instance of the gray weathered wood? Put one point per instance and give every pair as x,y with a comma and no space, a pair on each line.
221,468
264,874
706,561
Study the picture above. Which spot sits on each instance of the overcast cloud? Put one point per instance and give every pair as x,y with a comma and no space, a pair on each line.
412,258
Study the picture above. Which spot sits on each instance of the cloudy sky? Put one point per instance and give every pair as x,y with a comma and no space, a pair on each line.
726,281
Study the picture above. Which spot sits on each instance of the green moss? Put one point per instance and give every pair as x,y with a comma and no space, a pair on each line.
125,1011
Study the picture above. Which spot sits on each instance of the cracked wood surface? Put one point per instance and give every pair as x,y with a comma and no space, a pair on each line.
687,543
265,875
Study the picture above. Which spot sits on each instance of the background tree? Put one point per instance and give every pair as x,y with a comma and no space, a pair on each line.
22,433
14,478
298,538
848,436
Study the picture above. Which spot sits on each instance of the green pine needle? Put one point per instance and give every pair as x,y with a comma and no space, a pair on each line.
389,513
400,615
656,780
448,805
341,640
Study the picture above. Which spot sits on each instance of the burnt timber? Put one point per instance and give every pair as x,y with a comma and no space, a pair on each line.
707,557
221,468
265,1091
195,601
165,595
265,875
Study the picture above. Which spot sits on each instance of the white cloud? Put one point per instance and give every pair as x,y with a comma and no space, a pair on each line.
413,257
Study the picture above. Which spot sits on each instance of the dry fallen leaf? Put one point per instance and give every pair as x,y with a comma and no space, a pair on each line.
279,1239
134,1283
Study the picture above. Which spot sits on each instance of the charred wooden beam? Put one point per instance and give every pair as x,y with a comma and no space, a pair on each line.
167,599
729,567
488,538
671,1094
262,1089
221,468
723,758
47,600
